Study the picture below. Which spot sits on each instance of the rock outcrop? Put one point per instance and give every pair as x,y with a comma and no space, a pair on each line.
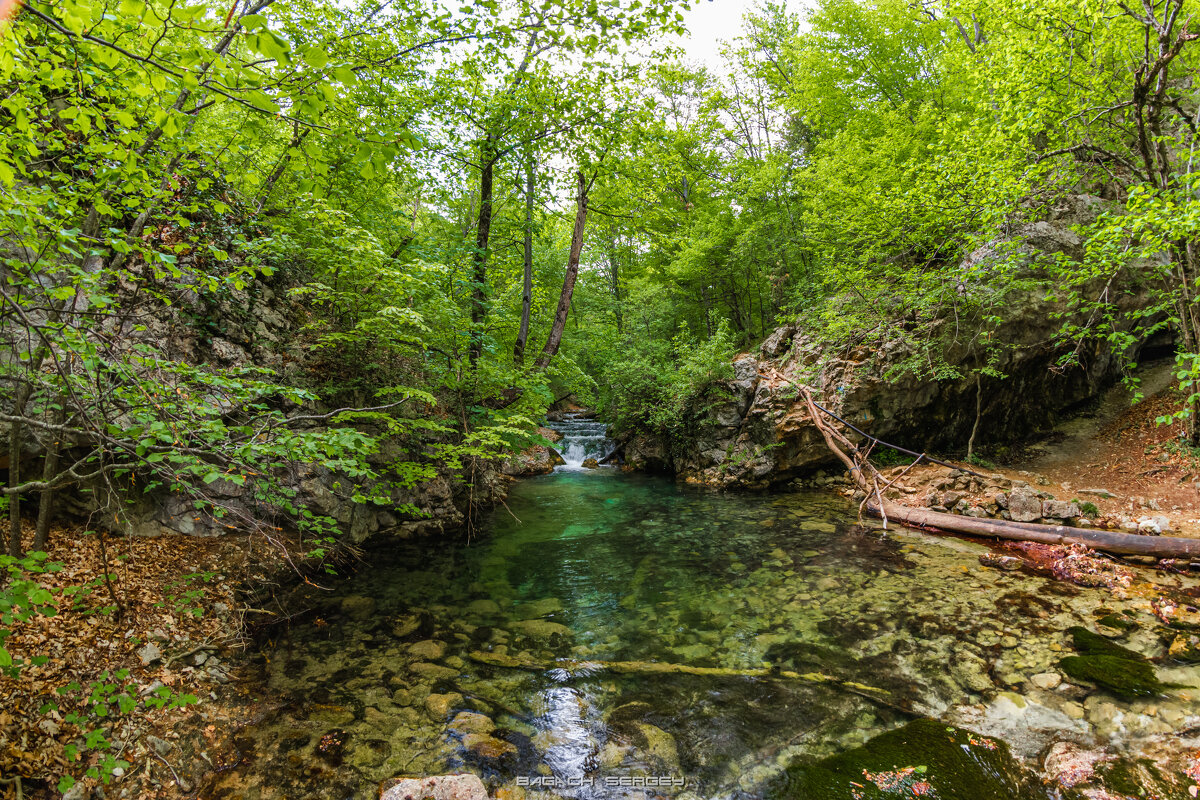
262,327
754,431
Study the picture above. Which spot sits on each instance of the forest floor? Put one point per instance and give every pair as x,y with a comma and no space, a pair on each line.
1111,447
173,616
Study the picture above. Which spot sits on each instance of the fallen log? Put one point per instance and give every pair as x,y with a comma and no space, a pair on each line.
867,477
872,693
1106,541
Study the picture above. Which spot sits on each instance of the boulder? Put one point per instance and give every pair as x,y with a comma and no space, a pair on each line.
1024,505
1060,509
437,787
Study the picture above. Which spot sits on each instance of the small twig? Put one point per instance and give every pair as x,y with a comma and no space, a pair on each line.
509,510
174,774
17,780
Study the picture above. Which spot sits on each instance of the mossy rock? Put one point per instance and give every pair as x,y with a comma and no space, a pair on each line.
924,758
1110,666
1125,777
1121,676
1117,621
1093,644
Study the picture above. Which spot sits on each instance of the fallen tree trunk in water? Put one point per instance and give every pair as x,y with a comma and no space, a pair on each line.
872,693
1107,541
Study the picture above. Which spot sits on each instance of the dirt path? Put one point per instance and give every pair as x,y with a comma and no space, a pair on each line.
1114,454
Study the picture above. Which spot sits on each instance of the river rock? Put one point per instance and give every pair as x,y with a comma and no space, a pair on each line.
1024,504
484,607
406,625
428,650
1046,680
472,722
997,561
488,748
539,608
438,787
658,744
591,463
433,672
971,672
925,758
356,606
440,705
541,630
1185,647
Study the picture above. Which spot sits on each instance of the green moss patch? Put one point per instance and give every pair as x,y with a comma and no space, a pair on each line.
925,758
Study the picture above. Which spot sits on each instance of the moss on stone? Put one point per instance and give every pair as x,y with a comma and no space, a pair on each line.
924,758
1121,676
1093,644
1118,621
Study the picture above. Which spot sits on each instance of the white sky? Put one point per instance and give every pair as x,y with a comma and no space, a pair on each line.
711,22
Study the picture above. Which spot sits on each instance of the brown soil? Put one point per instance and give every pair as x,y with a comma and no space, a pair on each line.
1117,446
179,593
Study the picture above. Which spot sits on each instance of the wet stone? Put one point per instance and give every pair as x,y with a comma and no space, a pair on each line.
439,787
466,722
428,650
440,705
358,607
924,758
488,748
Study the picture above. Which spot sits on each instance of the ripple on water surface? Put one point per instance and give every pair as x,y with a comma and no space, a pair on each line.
615,629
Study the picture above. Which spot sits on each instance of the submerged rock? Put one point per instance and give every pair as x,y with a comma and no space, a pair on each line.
1185,647
541,630
924,758
439,705
357,606
488,748
438,787
467,722
1121,676
1109,665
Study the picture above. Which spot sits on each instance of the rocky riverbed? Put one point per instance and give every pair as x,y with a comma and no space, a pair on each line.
628,628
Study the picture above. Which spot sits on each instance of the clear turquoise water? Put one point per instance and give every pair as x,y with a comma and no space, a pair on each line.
597,566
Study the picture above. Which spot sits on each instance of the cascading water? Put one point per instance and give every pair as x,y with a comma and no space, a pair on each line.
583,438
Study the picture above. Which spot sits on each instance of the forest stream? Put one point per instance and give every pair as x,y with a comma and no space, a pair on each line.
440,657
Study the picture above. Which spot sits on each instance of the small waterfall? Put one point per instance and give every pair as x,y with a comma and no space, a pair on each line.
583,438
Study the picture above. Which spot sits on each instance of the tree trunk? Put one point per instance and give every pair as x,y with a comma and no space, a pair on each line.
564,299
297,138
49,472
14,476
1107,541
527,288
615,279
483,231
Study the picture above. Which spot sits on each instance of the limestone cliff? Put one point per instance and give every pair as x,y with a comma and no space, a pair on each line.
752,432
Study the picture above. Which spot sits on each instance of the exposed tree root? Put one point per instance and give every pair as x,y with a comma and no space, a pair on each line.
868,479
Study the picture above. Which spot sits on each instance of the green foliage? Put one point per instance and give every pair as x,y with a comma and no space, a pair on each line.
652,389
22,596
94,708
